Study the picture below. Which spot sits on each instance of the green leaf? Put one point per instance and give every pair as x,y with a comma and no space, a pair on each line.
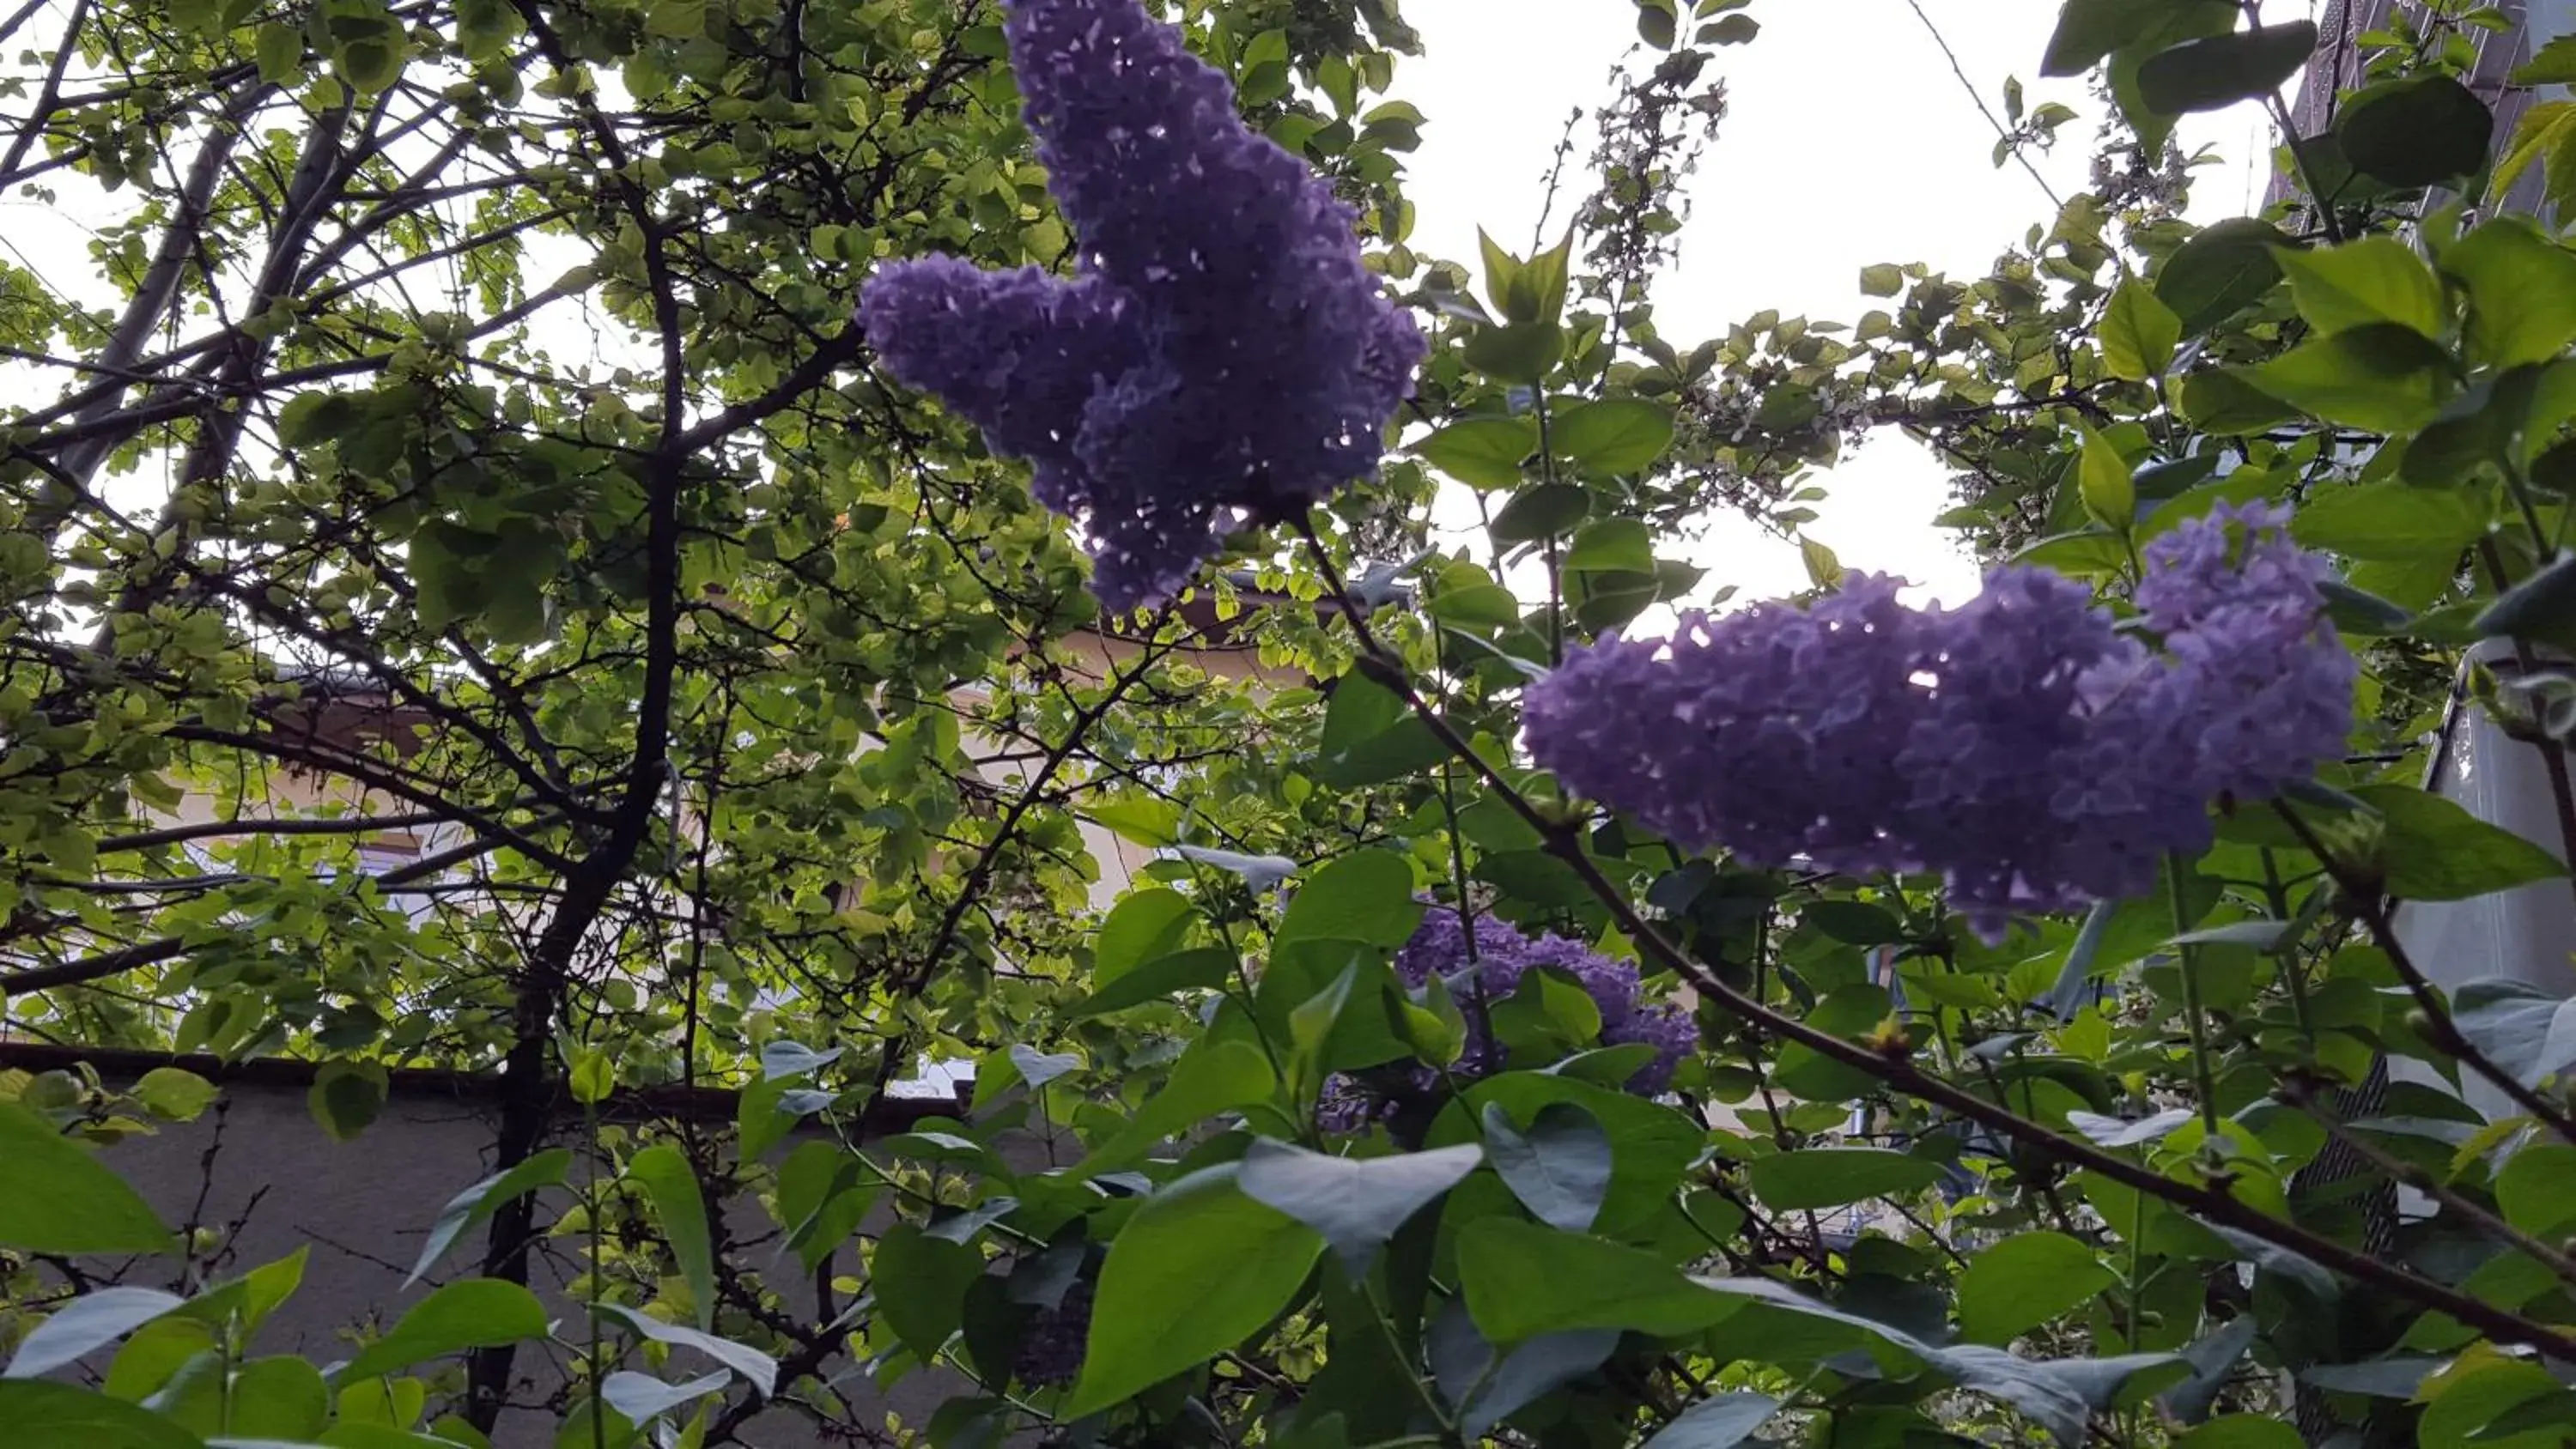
1560,1169
1548,511
473,1313
2221,402
2383,378
594,1077
346,1096
89,1322
1523,352
371,65
2391,521
756,1368
1147,820
2110,498
1657,23
1356,1203
1652,1146
1366,897
2435,850
2419,131
672,1184
920,1284
279,1397
2221,271
1612,437
2139,332
1371,736
485,1198
1195,1272
175,1095
2088,30
1884,280
60,1199
2024,1281
1824,566
1146,925
2376,279
1213,1076
2219,70
1822,1177
1522,1281
2545,136
2536,1190
2541,607
1723,1422
1203,969
45,1415
281,55
1486,454
1612,545
2522,292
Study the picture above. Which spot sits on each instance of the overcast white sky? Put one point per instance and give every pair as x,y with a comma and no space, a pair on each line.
1849,142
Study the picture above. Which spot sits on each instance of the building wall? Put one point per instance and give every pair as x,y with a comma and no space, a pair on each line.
261,1172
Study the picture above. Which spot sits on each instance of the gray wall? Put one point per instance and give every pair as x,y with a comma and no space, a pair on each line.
263,1173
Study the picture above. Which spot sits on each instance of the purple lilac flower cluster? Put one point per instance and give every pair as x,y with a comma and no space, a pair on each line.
1493,971
2022,745
1220,355
1051,1350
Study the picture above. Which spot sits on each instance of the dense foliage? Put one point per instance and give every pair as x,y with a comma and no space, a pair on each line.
1882,1028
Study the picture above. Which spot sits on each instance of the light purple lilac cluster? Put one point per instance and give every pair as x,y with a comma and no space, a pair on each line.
1493,971
1051,1349
2023,745
1220,355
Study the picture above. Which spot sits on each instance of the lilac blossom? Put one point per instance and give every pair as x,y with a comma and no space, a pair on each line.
1502,956
2022,745
1221,356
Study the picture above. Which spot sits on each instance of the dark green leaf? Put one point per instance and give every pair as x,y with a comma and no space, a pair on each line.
1486,1389
2541,607
1723,1422
45,1415
2218,71
2242,1431
1612,545
2522,292
1145,926
1365,897
1523,1281
2536,1190
2383,378
1822,1177
1518,352
1197,1269
346,1096
1614,436
61,1199
2221,271
1560,1169
672,1184
474,1313
920,1284
2375,279
1356,1203
2391,521
1214,1076
174,1095
483,1199
1484,453
2139,332
1371,736
1204,969
2024,1281
1548,511
2224,403
2436,850
2417,131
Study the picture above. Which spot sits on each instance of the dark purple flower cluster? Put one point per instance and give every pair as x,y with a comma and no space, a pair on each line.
2022,744
1220,355
1492,972
1051,1348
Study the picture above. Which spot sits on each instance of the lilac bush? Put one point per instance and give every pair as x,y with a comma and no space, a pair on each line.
1493,971
1220,356
2022,745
